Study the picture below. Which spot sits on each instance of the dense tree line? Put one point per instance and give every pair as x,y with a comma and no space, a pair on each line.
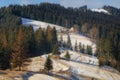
114,11
19,43
8,19
109,51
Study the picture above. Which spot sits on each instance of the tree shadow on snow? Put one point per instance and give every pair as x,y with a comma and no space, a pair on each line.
27,75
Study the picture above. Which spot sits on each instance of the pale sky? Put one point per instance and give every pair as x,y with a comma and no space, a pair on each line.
66,3
90,3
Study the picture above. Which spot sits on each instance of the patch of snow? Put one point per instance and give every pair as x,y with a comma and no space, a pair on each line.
79,57
91,71
5,78
110,69
100,11
57,66
80,39
37,24
42,77
37,64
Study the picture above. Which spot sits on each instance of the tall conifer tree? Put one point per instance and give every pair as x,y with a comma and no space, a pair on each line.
20,49
69,46
48,64
40,41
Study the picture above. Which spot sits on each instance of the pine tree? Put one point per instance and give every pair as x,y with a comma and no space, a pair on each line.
94,33
61,38
67,55
84,27
83,49
5,45
109,48
55,49
5,50
40,41
2,57
76,47
48,64
69,46
31,41
20,50
54,36
80,46
49,39
89,50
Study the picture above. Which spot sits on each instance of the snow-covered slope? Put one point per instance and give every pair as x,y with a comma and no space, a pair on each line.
100,10
80,57
37,24
37,64
42,77
91,71
25,75
74,37
80,39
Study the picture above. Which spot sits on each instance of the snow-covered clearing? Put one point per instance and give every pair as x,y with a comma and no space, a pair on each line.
37,64
23,75
37,24
92,71
79,38
42,77
76,67
80,57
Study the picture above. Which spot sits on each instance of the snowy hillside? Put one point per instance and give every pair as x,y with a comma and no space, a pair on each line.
74,37
25,75
42,77
79,64
100,10
80,39
76,68
37,64
37,24
91,71
80,57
